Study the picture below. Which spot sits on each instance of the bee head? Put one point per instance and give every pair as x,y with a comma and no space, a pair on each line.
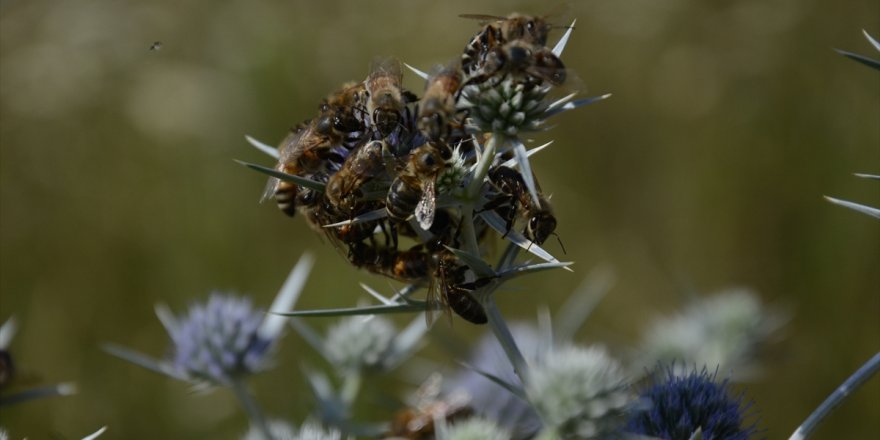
385,120
428,160
537,30
324,124
519,55
433,125
541,226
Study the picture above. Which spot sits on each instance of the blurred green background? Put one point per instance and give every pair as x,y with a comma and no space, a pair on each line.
706,169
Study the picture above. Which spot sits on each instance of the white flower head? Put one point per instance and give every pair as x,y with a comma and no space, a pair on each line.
358,343
474,429
724,330
279,429
578,391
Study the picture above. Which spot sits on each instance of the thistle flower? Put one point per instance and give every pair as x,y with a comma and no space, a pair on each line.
357,343
723,330
218,341
679,405
578,392
223,339
474,429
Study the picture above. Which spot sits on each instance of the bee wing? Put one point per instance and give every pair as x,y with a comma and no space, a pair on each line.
288,149
482,18
427,205
269,191
385,66
436,299
291,145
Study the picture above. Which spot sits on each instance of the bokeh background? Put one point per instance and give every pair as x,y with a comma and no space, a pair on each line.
706,169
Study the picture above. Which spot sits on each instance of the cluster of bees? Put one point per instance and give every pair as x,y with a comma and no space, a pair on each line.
382,153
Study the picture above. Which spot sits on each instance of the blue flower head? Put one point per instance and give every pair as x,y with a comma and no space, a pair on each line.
219,340
679,405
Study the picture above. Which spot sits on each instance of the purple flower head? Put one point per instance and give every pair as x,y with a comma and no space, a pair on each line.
219,340
679,405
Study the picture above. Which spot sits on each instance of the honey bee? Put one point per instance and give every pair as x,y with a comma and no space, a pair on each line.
455,292
363,164
497,31
413,190
319,212
514,200
343,114
520,58
413,265
303,152
417,422
387,98
437,107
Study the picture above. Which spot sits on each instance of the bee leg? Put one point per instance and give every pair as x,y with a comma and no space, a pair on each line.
408,97
392,232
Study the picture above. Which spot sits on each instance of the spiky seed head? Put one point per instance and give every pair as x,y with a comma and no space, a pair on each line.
218,340
356,343
578,392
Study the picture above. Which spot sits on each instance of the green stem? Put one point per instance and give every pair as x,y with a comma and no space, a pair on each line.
351,386
467,229
250,407
837,397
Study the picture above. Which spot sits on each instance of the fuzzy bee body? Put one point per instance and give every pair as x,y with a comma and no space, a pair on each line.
515,200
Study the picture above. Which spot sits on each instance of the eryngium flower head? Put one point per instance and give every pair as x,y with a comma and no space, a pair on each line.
724,330
359,343
279,429
508,107
475,429
578,392
218,341
679,405
311,430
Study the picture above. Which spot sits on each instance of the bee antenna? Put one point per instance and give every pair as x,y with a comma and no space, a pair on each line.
560,243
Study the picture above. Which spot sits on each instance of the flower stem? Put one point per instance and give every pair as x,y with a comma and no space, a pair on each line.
837,397
250,407
467,229
351,386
